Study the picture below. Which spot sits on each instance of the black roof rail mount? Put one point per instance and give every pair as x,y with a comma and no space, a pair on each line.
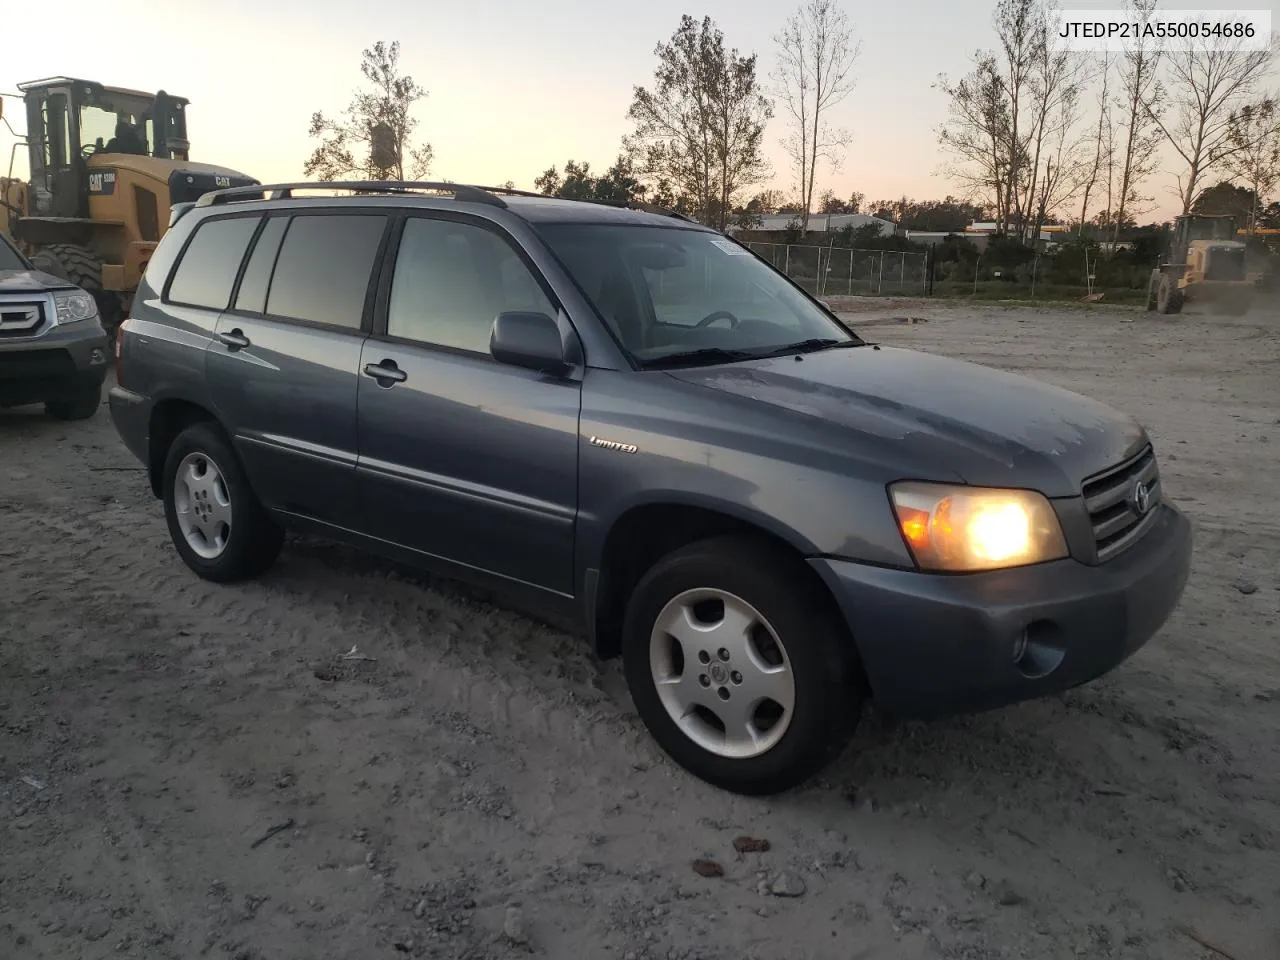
283,191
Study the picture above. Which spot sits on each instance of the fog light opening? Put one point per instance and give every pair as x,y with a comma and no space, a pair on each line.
1020,647
1038,651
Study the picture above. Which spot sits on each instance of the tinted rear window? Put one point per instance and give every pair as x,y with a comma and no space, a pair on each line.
208,268
324,267
253,285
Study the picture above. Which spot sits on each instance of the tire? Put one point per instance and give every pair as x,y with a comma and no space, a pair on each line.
43,260
1169,298
83,267
80,405
234,538
1152,288
813,654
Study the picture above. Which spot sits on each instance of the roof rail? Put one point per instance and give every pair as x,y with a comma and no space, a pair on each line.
282,191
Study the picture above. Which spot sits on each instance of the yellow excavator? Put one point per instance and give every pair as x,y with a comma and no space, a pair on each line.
106,166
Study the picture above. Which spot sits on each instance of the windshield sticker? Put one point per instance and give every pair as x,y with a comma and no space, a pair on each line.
730,248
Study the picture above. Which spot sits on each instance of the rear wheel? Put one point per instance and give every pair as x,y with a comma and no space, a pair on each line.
219,527
83,267
80,404
738,666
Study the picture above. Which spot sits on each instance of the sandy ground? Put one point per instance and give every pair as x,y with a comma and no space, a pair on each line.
481,788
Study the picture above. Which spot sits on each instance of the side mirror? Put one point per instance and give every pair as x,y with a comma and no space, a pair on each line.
529,340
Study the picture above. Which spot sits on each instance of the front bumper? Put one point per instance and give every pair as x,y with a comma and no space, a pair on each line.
939,644
59,361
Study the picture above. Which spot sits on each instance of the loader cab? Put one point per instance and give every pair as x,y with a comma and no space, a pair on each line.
1189,228
69,121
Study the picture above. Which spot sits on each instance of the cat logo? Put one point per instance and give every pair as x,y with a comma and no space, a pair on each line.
102,182
221,181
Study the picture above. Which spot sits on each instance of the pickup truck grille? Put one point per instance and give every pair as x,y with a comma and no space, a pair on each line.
21,318
1122,503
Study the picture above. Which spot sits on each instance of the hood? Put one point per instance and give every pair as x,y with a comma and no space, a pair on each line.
986,426
30,281
158,167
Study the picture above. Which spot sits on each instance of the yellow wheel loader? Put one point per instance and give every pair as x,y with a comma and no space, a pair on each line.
1206,263
106,167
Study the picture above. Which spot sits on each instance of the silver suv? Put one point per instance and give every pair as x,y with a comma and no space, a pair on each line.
53,349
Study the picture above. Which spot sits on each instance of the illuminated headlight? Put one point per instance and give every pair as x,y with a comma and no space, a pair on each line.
73,306
959,528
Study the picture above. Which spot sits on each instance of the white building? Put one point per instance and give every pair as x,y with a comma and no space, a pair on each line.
822,223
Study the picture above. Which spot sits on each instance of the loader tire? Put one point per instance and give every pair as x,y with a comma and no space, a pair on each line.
83,267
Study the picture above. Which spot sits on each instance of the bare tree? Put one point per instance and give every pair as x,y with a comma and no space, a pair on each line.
1064,152
1099,141
1255,132
1021,32
1206,86
701,128
373,140
976,135
1142,104
1054,85
816,54
997,109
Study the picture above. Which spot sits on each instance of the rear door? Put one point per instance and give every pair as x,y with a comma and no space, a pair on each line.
285,358
462,457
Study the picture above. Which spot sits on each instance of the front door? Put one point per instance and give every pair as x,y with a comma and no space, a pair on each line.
462,457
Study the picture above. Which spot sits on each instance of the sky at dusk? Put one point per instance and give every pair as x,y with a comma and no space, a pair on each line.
513,88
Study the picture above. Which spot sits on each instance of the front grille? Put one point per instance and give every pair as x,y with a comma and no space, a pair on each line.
21,319
1113,504
30,364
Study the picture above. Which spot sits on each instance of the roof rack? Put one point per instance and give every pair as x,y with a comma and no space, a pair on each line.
461,191
284,191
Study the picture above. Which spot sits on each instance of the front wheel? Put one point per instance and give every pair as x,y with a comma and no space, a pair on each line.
220,529
81,404
738,667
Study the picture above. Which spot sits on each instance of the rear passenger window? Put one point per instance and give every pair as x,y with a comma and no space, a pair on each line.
252,297
324,267
208,268
452,279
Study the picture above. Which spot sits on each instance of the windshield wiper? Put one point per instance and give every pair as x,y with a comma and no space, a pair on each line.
810,346
703,355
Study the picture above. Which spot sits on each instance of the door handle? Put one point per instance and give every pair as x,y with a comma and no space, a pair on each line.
386,373
235,339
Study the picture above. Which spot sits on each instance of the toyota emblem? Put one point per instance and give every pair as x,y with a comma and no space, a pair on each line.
1141,499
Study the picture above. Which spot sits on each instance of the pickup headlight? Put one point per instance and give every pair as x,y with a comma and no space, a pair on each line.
73,306
963,529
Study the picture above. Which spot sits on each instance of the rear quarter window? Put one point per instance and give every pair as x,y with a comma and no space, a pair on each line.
324,267
208,267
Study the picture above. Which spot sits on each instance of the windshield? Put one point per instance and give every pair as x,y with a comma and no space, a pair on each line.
670,291
1213,228
9,259
108,130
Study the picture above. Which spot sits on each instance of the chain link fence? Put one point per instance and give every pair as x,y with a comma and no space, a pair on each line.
832,271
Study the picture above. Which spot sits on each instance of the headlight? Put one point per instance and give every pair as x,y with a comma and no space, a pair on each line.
73,306
958,528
